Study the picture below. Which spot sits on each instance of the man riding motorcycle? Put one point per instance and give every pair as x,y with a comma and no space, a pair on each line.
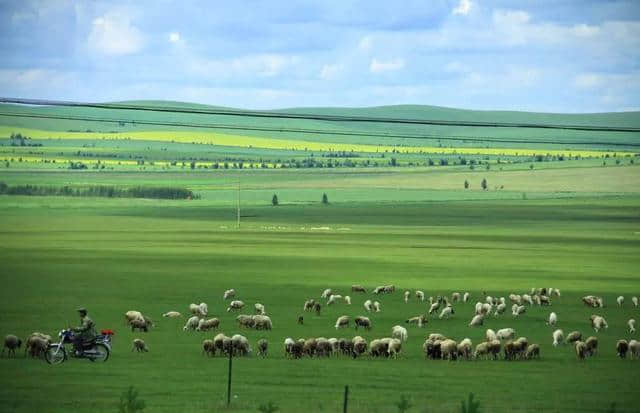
85,332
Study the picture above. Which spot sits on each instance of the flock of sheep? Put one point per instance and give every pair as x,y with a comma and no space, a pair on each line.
436,345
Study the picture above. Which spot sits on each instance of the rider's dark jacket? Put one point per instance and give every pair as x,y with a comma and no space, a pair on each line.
86,330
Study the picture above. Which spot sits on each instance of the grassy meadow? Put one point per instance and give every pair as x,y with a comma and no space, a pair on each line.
572,224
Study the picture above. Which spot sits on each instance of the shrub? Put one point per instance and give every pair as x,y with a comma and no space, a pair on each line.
129,402
274,200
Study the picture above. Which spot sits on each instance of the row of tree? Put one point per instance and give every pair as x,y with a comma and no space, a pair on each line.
106,191
275,202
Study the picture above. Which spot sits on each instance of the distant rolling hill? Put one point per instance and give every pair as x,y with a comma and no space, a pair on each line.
339,132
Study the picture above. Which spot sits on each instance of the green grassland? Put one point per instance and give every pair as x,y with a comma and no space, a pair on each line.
550,221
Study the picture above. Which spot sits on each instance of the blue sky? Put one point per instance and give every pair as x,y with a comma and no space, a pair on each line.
543,55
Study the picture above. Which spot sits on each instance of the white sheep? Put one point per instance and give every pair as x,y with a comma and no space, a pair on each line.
12,343
206,325
527,299
464,348
632,325
491,335
288,346
139,345
407,294
558,337
192,323
500,309
420,295
465,297
326,293
486,308
334,298
198,309
478,308
235,305
342,321
229,294
519,310
376,306
620,301
347,300
395,347
133,315
368,305
488,299
477,320
598,322
634,349
634,300
399,332
506,333
446,312
172,314
420,320
553,319
259,308
262,322
434,307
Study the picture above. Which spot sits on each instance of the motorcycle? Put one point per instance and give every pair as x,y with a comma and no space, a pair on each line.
97,350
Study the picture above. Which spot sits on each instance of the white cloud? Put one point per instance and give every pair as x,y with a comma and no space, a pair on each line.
330,72
262,65
463,8
113,34
378,66
587,80
174,37
366,43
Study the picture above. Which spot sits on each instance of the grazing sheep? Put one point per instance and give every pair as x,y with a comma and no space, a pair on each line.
317,307
419,295
449,349
245,321
359,345
486,308
632,325
191,323
326,293
395,347
379,289
200,310
465,348
222,343
465,297
634,349
259,308
490,335
532,351
500,309
399,332
574,336
436,336
139,346
420,320
434,307
208,348
263,346
482,349
581,349
598,322
309,347
513,349
288,346
172,314
308,305
37,345
262,322
477,320
506,334
368,305
347,300
446,312
132,315
407,294
235,305
335,345
494,348
455,297
140,324
206,325
634,300
229,294
592,345
358,289
11,342
376,306
300,320
388,289
622,346
432,349
536,299
334,298
519,310
556,292
515,298
478,308
379,347
553,319
240,345
342,321
590,301
620,301
544,300
558,337
362,321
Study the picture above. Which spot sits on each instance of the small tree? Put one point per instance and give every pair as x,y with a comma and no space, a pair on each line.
274,200
466,184
325,199
268,408
471,406
129,402
531,166
403,405
484,184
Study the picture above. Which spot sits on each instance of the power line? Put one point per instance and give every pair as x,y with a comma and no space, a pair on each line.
311,116
483,139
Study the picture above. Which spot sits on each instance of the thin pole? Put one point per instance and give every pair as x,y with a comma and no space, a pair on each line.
238,208
346,398
229,381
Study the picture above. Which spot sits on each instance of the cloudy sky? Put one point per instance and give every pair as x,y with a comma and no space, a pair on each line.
542,55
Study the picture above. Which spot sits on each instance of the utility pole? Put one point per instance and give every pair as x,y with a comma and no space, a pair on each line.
238,205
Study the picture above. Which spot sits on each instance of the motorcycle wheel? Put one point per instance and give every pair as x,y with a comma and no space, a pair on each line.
55,354
100,353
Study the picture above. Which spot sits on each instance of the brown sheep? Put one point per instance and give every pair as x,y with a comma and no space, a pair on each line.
533,351
581,349
139,346
361,321
11,342
139,324
37,344
300,320
309,304
263,346
574,336
622,346
209,348
317,308
592,345
358,289
493,348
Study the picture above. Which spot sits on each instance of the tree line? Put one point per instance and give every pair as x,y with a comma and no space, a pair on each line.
105,191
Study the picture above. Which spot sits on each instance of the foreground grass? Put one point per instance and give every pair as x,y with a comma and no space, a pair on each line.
155,256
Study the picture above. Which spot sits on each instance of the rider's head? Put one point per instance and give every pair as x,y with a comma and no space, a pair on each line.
82,311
